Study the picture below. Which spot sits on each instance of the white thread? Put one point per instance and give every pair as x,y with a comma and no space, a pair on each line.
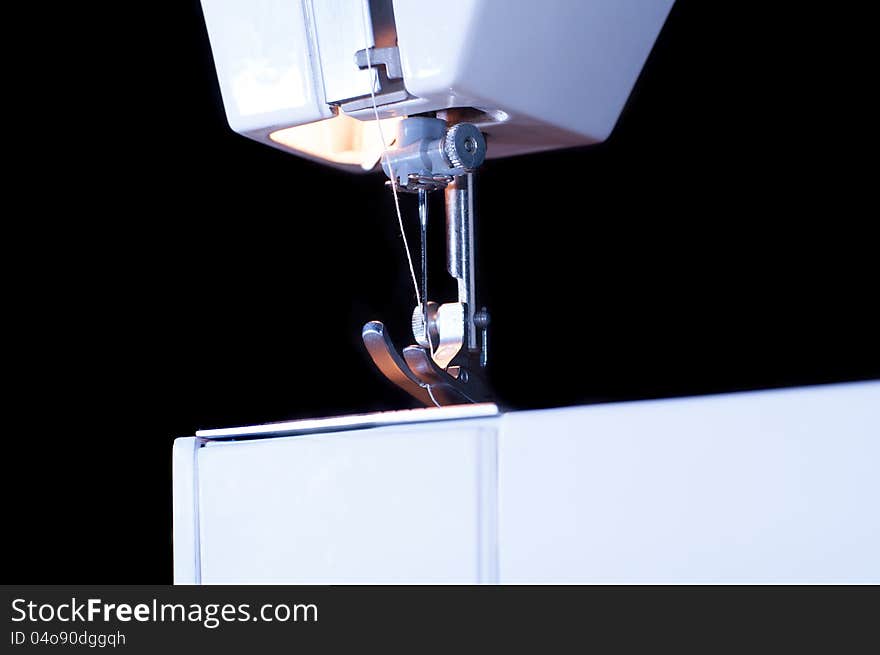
428,389
412,270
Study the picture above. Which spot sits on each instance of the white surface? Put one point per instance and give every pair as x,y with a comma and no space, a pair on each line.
560,70
341,30
351,421
185,511
266,64
554,73
773,486
400,504
776,486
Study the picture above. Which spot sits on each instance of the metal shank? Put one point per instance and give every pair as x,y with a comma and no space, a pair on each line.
460,247
447,366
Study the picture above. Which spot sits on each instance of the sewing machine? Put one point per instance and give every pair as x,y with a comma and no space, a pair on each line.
428,96
768,486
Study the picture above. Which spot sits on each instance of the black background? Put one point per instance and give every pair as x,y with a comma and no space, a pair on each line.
167,275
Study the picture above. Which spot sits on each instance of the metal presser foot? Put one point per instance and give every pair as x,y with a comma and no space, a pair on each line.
446,365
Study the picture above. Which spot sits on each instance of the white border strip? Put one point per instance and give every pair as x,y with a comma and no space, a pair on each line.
185,514
354,421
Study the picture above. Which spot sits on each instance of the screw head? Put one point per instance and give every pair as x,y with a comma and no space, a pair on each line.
465,146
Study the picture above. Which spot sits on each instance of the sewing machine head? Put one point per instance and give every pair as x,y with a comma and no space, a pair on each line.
428,92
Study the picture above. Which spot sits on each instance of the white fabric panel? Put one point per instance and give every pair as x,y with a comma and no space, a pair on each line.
387,505
775,486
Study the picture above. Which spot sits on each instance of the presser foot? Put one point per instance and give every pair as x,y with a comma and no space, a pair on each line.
415,372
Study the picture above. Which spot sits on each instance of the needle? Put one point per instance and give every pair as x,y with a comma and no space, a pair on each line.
423,224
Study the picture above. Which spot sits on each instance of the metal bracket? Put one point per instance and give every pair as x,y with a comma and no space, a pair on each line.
417,374
447,365
389,75
387,57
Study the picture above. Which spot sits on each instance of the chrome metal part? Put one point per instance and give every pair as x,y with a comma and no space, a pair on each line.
427,155
416,372
382,58
417,182
460,246
387,57
350,422
481,322
451,331
445,389
446,364
445,324
423,234
385,357
465,146
422,322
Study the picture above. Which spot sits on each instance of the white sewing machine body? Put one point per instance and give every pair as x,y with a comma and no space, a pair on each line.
531,75
777,486
429,92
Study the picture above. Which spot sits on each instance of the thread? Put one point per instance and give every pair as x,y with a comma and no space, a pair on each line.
394,181
412,270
